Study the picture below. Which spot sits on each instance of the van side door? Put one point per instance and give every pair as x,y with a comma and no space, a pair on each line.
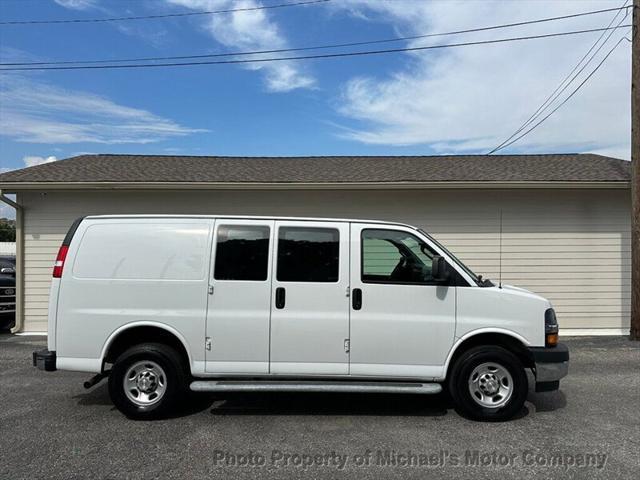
310,306
402,321
239,306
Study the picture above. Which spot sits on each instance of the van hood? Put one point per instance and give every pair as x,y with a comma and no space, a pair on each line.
522,291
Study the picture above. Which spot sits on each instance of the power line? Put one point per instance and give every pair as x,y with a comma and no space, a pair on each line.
309,57
560,89
569,97
321,47
167,15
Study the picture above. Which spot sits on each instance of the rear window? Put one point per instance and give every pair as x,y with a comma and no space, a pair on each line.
169,251
242,253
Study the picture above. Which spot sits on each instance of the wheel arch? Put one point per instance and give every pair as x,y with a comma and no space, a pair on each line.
144,332
507,339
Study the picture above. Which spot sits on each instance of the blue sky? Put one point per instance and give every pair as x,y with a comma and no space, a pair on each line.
463,100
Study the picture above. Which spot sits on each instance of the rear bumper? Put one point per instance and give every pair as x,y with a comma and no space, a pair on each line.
551,365
45,360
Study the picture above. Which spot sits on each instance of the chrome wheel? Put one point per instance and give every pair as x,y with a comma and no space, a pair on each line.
145,383
490,385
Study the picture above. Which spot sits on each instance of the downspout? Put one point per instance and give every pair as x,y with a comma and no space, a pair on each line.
19,261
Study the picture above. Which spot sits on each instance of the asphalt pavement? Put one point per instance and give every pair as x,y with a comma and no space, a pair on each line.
51,427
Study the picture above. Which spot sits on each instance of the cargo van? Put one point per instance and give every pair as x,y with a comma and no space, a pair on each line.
165,305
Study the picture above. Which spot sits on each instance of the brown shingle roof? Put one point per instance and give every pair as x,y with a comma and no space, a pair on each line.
346,169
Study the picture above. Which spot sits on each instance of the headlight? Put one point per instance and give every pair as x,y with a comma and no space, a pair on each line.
550,328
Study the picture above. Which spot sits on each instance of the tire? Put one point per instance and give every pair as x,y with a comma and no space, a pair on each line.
488,383
147,381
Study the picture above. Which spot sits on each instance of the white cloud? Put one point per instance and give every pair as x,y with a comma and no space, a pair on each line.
39,113
469,99
616,151
252,30
77,4
13,55
154,35
33,160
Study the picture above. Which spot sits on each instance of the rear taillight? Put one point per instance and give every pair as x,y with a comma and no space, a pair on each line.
59,265
550,328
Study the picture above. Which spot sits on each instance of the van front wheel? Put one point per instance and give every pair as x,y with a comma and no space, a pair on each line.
488,383
147,381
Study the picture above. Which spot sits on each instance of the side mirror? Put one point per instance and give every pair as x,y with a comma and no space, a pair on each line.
440,269
8,271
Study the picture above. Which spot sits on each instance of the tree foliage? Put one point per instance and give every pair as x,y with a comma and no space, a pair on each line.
7,230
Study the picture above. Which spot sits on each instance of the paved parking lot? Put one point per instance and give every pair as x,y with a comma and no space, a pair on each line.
51,427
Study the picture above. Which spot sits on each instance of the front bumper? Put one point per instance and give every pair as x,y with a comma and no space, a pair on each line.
551,364
7,319
45,360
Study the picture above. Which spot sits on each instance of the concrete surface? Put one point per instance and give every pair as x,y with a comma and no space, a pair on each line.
50,427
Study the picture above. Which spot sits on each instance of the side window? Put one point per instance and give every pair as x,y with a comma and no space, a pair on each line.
394,256
242,253
307,254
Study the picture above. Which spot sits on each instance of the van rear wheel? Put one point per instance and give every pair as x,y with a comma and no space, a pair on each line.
488,383
147,381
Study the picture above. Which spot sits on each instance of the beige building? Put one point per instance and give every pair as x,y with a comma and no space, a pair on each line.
565,218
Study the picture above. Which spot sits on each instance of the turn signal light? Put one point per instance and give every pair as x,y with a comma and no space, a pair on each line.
550,328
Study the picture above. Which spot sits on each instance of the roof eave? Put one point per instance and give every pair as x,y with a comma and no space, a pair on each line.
19,186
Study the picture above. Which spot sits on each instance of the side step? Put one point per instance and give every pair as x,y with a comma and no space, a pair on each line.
314,386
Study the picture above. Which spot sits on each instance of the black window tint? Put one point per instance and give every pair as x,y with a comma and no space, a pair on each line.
308,254
242,253
394,256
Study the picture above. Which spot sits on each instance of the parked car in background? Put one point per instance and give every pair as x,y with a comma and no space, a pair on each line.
7,292
164,304
8,265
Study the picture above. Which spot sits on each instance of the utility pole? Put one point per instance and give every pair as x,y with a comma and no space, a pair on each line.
634,333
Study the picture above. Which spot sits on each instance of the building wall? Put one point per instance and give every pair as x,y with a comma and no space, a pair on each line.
7,248
572,246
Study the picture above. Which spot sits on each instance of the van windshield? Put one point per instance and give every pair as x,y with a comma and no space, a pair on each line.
467,270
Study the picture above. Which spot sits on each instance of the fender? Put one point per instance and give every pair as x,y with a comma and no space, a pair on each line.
144,323
480,331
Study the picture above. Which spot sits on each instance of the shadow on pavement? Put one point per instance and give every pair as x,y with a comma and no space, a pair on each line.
286,403
332,404
98,395
549,401
281,403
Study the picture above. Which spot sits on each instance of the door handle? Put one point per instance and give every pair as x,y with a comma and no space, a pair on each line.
357,299
280,297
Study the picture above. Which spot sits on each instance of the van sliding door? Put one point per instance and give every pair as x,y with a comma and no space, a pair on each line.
310,303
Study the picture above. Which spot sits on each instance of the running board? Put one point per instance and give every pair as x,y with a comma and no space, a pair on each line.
314,386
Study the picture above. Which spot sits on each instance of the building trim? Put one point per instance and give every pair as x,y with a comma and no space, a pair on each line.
17,186
593,332
19,259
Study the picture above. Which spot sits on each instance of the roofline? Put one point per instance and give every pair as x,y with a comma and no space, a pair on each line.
249,217
286,157
18,186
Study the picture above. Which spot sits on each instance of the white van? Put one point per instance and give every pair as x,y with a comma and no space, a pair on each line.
164,304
